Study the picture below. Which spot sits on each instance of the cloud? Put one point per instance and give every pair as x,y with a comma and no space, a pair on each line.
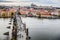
37,2
8,0
41,2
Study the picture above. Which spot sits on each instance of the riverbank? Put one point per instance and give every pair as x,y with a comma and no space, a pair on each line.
41,17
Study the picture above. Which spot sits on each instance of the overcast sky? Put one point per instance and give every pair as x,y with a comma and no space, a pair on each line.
28,2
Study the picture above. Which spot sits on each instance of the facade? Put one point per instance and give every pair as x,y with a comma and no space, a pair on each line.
6,13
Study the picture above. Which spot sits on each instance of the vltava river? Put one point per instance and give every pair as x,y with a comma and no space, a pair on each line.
39,29
43,29
4,23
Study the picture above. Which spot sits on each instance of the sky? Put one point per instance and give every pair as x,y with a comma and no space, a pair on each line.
28,2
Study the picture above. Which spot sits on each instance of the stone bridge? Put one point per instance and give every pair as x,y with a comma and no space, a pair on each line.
19,30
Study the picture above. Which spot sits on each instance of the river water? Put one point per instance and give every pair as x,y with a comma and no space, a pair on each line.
4,23
43,29
39,29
